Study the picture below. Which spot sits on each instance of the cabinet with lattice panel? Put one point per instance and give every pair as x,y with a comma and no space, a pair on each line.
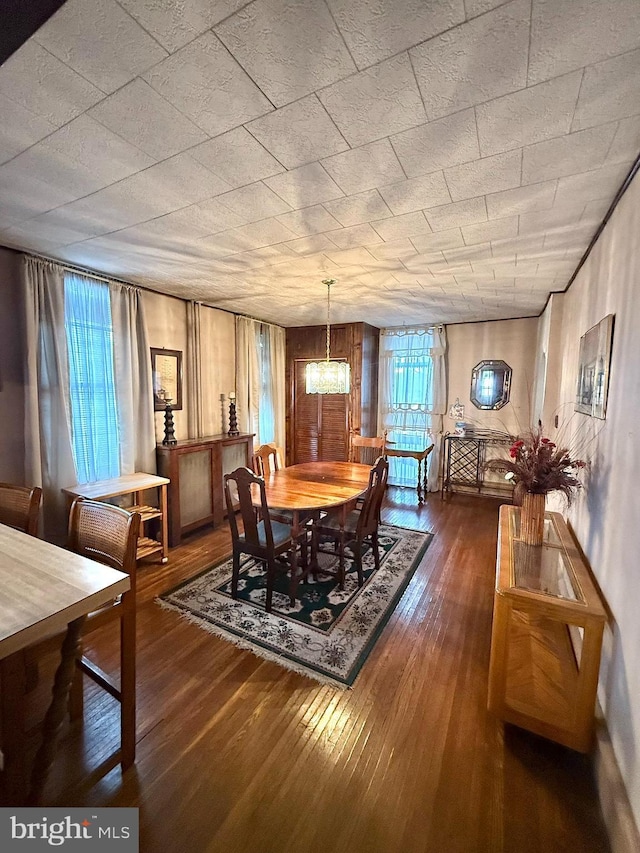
464,459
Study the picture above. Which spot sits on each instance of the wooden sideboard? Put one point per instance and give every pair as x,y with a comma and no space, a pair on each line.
548,621
195,467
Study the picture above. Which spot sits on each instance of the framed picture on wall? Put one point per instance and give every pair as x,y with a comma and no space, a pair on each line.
593,369
166,368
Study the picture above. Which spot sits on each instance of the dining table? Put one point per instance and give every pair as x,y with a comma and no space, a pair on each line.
46,591
311,487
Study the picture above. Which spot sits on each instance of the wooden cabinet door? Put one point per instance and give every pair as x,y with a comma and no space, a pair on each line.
320,423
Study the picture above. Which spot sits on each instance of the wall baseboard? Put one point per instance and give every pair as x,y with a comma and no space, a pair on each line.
614,802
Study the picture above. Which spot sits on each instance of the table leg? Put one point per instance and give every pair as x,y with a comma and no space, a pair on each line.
12,695
419,487
343,521
425,477
55,714
165,522
293,557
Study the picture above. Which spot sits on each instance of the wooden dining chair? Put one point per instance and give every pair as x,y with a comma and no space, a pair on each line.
266,458
20,507
366,449
359,525
262,537
109,535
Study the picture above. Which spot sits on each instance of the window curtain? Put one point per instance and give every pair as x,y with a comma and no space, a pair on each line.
134,383
272,413
49,455
49,415
194,371
412,396
260,377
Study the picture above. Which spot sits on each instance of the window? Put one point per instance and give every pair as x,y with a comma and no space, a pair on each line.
411,394
94,420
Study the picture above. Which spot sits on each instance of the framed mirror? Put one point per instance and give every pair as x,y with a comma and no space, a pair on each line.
166,369
490,384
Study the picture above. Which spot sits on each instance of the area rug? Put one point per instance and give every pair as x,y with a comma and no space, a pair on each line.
329,633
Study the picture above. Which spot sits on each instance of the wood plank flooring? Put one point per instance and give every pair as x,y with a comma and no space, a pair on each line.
237,755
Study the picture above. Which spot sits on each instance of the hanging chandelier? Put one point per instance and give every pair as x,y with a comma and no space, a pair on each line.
328,377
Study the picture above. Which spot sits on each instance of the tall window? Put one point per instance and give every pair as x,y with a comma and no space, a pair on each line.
94,419
411,395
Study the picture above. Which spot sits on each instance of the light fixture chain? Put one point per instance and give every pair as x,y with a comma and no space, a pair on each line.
328,282
328,319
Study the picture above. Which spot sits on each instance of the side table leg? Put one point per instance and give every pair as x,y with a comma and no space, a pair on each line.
55,713
164,506
419,488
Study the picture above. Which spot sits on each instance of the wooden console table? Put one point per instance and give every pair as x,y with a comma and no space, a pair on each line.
195,467
132,484
421,457
548,621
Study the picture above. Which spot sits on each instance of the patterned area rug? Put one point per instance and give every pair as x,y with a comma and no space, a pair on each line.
328,634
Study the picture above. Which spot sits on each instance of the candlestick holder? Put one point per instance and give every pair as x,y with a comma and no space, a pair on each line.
233,419
169,434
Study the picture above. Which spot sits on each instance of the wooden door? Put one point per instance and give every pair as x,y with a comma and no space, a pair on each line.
320,426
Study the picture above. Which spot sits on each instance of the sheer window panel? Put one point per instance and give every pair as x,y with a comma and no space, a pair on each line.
94,421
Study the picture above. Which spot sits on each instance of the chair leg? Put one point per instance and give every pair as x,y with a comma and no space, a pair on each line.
357,554
128,683
271,573
76,693
341,572
376,552
235,574
293,580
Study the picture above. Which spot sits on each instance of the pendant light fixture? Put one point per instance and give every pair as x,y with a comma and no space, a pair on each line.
328,377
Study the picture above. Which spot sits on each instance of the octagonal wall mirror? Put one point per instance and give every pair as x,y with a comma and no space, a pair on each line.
490,384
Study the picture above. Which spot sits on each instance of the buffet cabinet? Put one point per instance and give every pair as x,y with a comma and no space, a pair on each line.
548,621
195,468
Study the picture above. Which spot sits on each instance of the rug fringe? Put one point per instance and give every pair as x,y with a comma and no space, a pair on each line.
248,646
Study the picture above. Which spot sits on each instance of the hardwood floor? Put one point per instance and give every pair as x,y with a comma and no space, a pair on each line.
237,755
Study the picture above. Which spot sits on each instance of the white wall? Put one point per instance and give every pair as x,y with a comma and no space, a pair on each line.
513,341
167,327
606,516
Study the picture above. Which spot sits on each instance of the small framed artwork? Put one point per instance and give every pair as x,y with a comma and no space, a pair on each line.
593,369
166,369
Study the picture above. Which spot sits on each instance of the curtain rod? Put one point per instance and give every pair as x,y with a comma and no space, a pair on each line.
72,268
406,330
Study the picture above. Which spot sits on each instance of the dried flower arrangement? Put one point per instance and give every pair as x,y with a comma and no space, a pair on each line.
539,466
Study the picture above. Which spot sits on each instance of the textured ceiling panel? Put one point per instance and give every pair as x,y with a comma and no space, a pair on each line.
302,32
100,41
206,84
299,133
175,24
445,161
477,61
